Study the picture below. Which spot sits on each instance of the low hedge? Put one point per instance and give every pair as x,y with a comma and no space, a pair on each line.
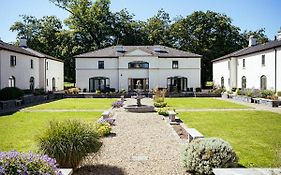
10,93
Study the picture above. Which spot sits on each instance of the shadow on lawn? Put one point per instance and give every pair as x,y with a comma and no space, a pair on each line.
99,170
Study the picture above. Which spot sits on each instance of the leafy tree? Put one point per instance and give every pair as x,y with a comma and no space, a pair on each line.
258,34
209,34
158,28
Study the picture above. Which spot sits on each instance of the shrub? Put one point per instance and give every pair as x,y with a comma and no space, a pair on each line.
279,93
73,91
117,104
266,93
160,104
202,155
164,111
27,163
103,129
159,99
218,91
10,93
198,89
39,92
69,141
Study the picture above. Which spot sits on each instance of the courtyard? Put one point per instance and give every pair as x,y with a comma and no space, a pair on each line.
145,143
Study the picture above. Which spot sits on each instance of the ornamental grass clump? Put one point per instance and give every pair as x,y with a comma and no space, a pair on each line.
27,163
69,141
202,155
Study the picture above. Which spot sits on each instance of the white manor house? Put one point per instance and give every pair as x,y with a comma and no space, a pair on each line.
121,67
254,67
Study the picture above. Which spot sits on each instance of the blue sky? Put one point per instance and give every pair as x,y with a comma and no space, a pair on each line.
246,14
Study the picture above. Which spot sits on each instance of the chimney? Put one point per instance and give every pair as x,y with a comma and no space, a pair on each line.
252,41
279,35
23,43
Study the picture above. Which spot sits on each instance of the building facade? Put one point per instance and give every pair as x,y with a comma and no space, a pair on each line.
254,67
121,67
25,68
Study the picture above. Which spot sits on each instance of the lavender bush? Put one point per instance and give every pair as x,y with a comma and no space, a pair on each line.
27,163
202,155
117,104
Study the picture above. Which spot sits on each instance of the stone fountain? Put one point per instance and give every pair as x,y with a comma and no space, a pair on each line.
139,107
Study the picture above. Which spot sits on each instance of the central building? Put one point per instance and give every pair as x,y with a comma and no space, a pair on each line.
121,67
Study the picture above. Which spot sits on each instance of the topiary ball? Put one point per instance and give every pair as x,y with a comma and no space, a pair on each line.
202,155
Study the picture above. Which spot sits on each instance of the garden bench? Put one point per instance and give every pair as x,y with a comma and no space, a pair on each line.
193,134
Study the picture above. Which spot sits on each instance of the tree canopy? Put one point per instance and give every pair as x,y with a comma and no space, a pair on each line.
92,25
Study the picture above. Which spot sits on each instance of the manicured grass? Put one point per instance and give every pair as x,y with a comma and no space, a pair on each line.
255,135
74,103
201,103
19,130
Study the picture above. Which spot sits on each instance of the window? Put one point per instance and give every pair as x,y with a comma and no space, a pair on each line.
263,82
244,63
138,65
13,60
12,81
263,60
31,64
31,83
47,65
175,64
101,64
222,82
244,82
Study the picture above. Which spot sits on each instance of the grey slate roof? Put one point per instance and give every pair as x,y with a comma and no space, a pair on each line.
9,47
41,55
252,49
25,51
111,52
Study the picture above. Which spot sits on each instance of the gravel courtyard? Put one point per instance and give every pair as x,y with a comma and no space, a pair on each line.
143,144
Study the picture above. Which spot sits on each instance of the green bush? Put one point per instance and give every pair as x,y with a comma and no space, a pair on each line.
218,91
39,92
266,93
164,111
10,93
69,141
14,163
160,104
202,155
279,93
103,129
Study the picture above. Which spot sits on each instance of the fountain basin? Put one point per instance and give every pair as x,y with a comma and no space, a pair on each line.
141,108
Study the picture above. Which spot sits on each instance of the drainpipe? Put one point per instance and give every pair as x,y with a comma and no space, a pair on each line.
275,51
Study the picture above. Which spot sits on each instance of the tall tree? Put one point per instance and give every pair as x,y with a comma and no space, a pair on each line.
158,28
258,34
91,21
209,34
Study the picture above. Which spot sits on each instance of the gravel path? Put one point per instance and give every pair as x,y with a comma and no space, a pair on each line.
144,144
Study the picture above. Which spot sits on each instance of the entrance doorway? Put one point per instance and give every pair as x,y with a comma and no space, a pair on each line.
132,84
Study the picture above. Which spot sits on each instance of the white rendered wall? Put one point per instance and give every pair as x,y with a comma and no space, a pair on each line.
279,69
159,70
55,70
254,69
22,71
220,69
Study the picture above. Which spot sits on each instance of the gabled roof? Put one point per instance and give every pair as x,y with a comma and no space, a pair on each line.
25,51
9,47
252,49
155,50
42,55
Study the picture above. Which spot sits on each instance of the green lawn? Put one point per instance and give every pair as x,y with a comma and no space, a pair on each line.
75,103
255,135
201,103
19,130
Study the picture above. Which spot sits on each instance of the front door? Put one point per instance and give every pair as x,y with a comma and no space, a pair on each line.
143,84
